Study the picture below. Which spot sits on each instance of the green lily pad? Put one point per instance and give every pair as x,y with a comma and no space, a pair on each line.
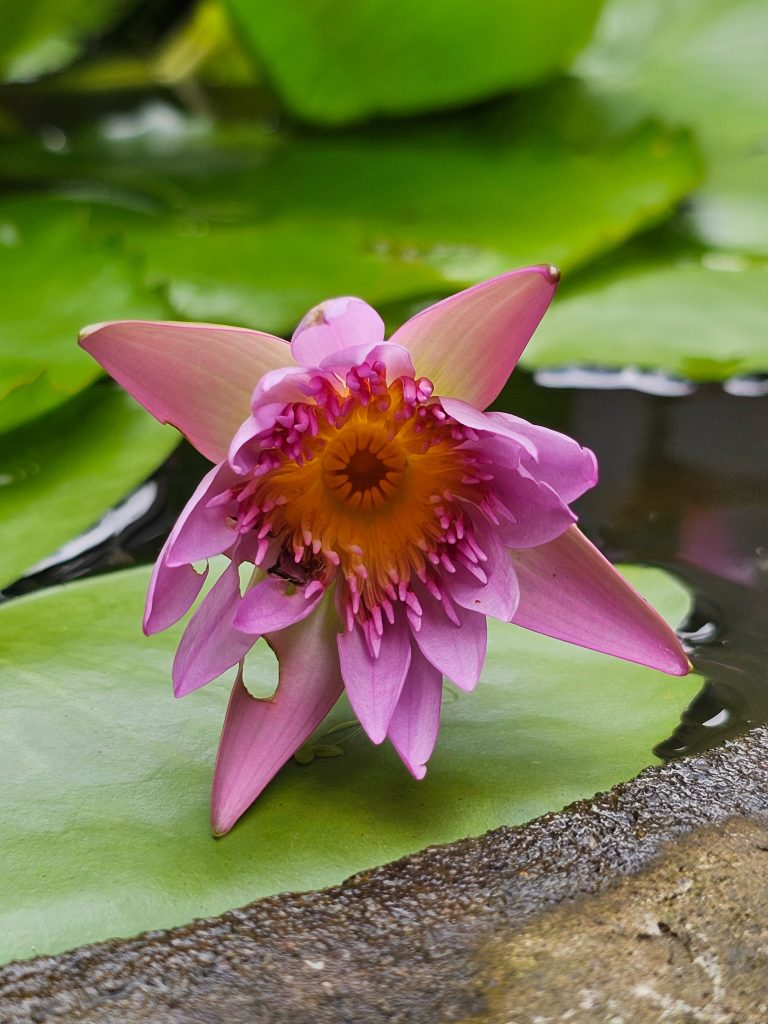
41,36
59,473
411,211
336,62
57,277
701,64
104,816
700,315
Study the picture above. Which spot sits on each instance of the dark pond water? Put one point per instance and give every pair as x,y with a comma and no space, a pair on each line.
684,486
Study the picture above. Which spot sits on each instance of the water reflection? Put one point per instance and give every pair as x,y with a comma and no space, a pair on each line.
684,486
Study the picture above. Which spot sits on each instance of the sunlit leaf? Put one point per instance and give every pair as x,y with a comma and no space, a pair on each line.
104,809
334,62
401,213
700,63
701,316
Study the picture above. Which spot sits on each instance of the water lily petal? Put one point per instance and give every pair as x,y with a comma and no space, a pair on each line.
471,417
175,584
416,719
171,593
458,651
396,359
561,462
470,343
201,530
568,590
210,644
538,514
259,736
498,595
374,683
198,377
335,325
274,604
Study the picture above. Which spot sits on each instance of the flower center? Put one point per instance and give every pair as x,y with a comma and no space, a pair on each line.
362,468
368,483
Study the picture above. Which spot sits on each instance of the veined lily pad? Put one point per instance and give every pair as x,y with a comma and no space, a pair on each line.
104,812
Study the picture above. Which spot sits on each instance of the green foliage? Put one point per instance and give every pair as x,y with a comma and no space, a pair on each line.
40,36
334,63
104,819
692,314
57,277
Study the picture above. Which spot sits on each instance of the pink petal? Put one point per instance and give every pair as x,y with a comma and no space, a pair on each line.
456,651
466,414
334,325
198,377
396,359
175,584
470,343
201,530
171,593
416,720
568,590
561,462
538,514
210,644
373,684
499,595
259,736
273,605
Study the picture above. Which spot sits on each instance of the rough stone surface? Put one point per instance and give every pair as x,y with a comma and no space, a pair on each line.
464,932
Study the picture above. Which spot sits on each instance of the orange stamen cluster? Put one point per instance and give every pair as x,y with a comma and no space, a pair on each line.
367,482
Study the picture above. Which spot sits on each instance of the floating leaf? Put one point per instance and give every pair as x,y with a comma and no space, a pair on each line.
335,62
701,316
700,63
57,277
104,814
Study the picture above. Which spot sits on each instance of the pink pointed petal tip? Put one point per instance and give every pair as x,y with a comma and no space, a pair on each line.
416,720
335,325
485,327
568,590
197,377
210,644
373,684
259,736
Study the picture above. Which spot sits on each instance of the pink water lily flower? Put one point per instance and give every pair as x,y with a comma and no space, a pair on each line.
384,514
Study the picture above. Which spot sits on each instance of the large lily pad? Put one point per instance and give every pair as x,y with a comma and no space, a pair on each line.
699,315
700,63
334,62
57,277
407,212
104,817
59,473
